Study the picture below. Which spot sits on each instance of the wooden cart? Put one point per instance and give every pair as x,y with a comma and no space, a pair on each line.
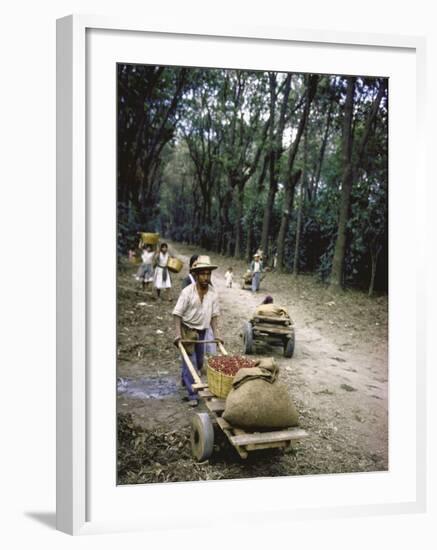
246,281
272,330
204,423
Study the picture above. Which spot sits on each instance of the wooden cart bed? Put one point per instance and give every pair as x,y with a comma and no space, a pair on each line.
202,425
249,441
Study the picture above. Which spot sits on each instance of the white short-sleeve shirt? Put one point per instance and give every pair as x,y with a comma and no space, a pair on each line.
194,313
256,266
147,257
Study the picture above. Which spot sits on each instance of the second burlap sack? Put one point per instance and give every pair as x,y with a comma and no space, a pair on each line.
271,310
258,401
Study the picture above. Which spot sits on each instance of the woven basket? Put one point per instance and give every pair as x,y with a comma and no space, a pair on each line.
174,265
150,238
218,383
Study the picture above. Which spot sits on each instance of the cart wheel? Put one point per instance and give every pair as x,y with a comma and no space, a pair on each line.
289,346
248,338
202,436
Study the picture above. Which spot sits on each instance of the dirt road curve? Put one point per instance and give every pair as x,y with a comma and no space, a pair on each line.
338,375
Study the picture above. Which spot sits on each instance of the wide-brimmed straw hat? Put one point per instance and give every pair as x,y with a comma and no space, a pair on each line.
203,262
257,255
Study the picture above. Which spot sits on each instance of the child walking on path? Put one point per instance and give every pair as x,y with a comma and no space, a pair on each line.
229,276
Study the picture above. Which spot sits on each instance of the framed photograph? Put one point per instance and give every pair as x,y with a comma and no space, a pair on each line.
234,198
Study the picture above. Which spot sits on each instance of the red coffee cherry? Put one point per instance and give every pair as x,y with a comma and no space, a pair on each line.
230,364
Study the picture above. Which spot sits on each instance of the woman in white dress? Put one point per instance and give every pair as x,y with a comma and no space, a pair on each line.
161,278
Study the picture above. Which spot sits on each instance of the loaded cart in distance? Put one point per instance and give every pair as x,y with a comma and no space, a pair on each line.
203,424
246,281
270,324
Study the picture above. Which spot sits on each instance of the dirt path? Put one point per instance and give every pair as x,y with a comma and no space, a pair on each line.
338,375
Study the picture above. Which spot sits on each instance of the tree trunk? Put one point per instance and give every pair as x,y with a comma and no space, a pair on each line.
262,175
336,277
292,179
275,153
374,253
312,193
225,202
268,211
217,237
301,204
228,244
249,243
239,196
298,229
286,214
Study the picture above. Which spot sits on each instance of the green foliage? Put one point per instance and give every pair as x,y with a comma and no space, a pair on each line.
188,139
130,221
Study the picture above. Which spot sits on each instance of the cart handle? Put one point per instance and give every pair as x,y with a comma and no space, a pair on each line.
220,345
189,364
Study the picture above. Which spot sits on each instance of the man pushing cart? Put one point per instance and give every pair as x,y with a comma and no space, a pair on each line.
197,308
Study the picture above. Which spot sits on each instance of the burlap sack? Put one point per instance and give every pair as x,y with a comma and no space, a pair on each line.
267,363
258,401
271,310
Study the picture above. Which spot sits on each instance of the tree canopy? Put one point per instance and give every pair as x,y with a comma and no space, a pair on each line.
233,160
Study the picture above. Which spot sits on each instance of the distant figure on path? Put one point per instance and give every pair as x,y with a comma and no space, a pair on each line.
161,278
229,276
256,268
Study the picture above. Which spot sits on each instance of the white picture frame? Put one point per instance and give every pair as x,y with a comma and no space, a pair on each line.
78,346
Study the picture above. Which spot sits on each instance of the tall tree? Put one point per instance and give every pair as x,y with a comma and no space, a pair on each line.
313,184
350,165
303,189
276,149
245,134
148,98
292,179
204,144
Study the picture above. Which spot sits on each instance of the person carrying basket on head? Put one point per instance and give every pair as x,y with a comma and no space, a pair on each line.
145,272
197,308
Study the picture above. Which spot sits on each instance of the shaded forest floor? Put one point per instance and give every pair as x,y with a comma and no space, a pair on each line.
338,379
